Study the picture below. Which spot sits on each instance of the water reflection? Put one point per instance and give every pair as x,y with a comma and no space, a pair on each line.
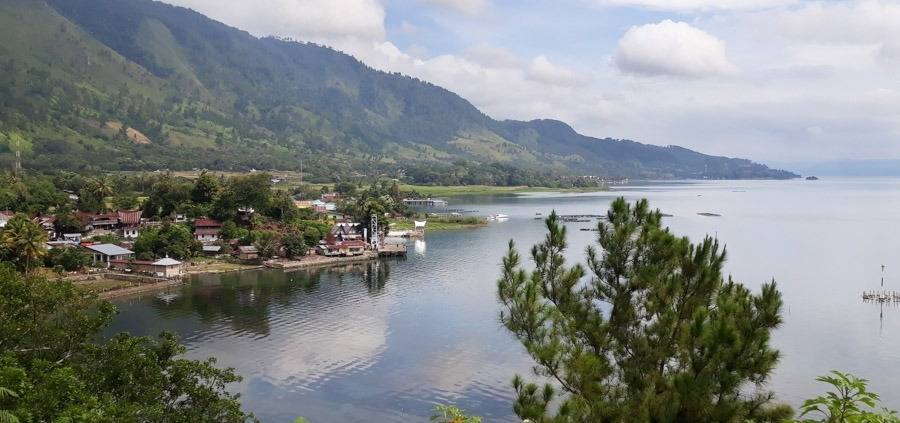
384,341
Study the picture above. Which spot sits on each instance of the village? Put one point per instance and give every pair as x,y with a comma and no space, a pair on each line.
107,243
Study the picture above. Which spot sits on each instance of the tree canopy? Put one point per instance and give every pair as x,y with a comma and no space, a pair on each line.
56,370
654,333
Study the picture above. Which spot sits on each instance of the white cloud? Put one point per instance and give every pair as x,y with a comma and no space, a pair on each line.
672,48
492,56
697,5
468,7
311,20
542,70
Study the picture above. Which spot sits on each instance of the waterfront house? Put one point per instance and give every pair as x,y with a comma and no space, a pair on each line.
163,268
344,239
247,252
207,230
332,246
103,254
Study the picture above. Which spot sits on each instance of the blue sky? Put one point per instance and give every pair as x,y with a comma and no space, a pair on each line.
772,80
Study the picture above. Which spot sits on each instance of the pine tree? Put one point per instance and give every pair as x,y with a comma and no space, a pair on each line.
655,334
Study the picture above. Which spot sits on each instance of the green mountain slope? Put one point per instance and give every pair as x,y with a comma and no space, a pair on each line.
138,84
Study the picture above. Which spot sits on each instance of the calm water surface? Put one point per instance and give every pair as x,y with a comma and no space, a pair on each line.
385,341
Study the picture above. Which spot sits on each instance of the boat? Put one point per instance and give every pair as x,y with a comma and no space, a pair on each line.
498,216
812,178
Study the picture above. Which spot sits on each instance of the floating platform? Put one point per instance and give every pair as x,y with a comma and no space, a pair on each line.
881,296
391,250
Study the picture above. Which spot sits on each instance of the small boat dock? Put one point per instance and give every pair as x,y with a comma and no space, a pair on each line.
392,250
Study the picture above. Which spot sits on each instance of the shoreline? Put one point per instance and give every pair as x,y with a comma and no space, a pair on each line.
281,264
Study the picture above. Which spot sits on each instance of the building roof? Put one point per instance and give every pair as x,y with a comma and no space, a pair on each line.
109,249
166,262
207,223
212,248
206,231
355,243
247,249
129,217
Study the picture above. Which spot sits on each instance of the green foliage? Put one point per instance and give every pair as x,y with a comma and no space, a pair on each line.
110,238
69,259
125,202
50,358
24,240
31,194
266,243
231,230
656,334
66,223
451,414
166,197
849,402
294,245
173,240
205,188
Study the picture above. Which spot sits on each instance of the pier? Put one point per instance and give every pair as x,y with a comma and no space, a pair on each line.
391,250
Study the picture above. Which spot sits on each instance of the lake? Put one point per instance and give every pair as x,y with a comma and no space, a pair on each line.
387,340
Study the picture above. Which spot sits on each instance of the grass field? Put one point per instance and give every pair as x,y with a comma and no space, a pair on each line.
441,223
451,191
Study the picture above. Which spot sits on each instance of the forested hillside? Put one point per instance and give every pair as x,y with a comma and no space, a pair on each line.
138,84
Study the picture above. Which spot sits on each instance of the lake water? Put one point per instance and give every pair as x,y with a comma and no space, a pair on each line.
386,341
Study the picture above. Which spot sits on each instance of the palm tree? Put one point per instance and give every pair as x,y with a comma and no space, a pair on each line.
25,239
7,416
100,188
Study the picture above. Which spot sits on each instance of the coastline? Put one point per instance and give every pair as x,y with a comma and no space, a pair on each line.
462,190
306,262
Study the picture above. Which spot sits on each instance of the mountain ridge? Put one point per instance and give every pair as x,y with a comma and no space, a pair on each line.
222,98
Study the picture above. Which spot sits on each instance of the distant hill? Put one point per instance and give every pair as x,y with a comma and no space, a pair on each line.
138,84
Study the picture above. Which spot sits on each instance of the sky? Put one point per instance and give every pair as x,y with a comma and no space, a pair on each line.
777,81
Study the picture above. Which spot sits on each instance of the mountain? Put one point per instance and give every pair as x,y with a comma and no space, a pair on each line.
139,84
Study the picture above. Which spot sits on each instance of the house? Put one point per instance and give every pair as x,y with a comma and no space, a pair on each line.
167,267
347,231
212,250
163,268
48,224
130,222
247,252
330,197
331,246
75,238
344,239
207,230
106,253
323,207
303,204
